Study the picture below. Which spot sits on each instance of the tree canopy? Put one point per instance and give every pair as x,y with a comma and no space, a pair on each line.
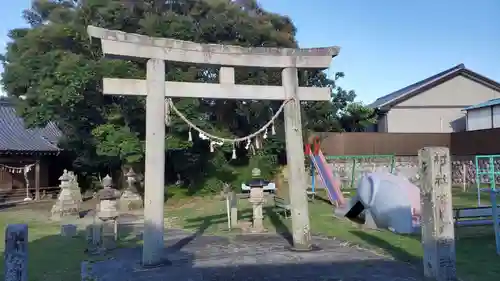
57,70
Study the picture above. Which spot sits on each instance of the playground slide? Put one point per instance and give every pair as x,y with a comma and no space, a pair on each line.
326,174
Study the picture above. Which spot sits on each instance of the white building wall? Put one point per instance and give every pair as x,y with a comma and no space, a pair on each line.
439,109
496,116
479,119
425,120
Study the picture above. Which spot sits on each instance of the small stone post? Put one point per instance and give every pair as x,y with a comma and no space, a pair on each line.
226,189
438,233
69,230
234,210
16,252
93,236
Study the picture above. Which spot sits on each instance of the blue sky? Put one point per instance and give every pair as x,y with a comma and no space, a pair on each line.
385,44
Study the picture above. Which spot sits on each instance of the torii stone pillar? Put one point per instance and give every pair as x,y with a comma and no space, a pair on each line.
155,88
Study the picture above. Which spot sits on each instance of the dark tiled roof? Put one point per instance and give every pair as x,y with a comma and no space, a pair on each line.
394,96
15,137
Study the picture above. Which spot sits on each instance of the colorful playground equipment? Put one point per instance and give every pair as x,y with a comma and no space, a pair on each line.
384,200
486,176
331,184
356,161
492,174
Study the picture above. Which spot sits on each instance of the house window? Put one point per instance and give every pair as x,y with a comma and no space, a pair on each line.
479,119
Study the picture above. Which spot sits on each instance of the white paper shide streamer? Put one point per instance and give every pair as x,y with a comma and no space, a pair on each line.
215,141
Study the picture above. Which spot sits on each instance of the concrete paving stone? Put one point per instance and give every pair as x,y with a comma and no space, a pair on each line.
252,258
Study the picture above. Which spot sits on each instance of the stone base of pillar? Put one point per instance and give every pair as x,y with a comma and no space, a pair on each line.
258,230
162,263
109,235
311,248
101,236
247,227
257,200
93,236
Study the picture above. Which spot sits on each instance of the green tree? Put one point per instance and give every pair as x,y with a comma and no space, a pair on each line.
58,71
356,117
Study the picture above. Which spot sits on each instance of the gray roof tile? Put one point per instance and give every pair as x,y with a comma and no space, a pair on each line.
414,87
14,136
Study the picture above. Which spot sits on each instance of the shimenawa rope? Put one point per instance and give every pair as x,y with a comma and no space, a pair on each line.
206,135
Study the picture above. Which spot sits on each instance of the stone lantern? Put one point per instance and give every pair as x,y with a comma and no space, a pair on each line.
66,203
108,200
65,179
75,188
130,199
257,199
108,213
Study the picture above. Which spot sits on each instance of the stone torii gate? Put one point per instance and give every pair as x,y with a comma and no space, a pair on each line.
155,88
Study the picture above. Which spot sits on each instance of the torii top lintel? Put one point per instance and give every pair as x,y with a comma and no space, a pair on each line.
119,43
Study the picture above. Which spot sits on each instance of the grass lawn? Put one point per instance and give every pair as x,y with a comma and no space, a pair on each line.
476,257
51,257
54,258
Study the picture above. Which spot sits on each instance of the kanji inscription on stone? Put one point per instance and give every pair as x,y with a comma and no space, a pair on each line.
438,237
16,252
